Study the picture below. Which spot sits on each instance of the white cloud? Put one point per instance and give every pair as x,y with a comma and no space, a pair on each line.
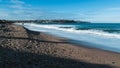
17,9
105,15
17,2
16,6
114,9
4,14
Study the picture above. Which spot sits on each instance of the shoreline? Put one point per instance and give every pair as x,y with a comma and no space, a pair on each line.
95,40
81,43
57,52
75,42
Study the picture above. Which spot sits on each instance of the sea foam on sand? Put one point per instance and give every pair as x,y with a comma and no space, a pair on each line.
100,39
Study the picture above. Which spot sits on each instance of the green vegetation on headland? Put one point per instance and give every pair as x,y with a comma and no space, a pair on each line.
43,21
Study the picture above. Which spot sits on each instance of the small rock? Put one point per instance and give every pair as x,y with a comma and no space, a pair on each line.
113,62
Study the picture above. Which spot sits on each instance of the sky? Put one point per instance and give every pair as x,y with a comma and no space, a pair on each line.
106,11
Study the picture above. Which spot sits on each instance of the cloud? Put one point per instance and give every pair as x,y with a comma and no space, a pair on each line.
17,2
105,15
17,9
16,6
4,14
114,9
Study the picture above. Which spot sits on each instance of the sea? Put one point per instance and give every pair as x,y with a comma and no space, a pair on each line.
104,36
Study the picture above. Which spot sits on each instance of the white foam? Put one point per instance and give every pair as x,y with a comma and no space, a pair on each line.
72,30
108,41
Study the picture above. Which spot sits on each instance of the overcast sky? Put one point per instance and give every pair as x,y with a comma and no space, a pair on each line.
86,10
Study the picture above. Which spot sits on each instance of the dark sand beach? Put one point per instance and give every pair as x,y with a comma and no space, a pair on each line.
22,48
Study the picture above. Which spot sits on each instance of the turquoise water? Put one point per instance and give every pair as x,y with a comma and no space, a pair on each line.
107,27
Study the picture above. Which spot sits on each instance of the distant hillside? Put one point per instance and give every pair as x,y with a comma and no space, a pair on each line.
6,22
43,21
61,21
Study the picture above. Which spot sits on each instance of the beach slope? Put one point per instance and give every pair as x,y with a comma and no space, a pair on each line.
22,48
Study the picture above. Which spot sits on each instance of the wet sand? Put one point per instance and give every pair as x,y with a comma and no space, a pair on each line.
22,48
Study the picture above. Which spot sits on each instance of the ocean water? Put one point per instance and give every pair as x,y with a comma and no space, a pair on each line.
97,35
